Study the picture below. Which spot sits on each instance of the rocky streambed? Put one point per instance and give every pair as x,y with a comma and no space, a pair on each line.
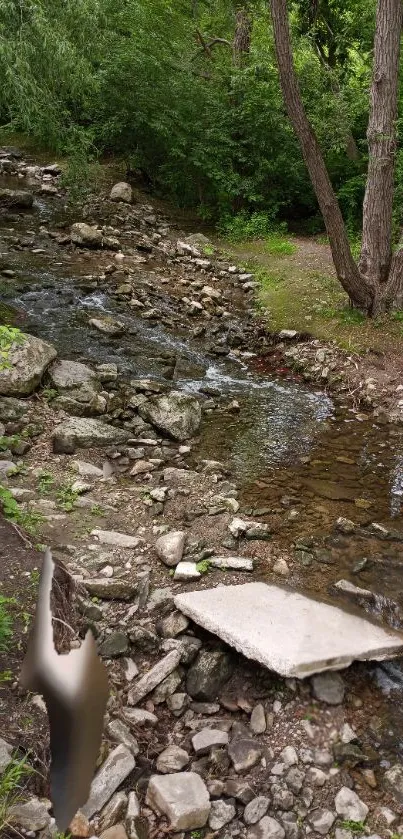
159,439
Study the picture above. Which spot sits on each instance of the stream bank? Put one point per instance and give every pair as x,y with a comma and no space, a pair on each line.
148,313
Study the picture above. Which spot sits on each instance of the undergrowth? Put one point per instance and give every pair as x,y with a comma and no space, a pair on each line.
12,788
27,520
9,335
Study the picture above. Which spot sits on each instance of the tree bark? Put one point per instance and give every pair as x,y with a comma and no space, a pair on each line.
376,254
242,36
358,288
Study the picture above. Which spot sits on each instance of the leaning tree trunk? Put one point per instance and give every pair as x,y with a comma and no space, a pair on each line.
347,271
376,254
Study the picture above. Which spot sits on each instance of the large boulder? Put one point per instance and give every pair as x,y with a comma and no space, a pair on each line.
65,375
85,434
176,414
79,389
23,365
121,192
86,236
16,199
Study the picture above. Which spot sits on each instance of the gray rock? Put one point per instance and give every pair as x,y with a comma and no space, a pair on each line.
289,756
236,788
322,821
16,199
137,717
86,236
114,811
291,826
258,721
172,759
30,815
208,674
295,779
12,409
154,677
349,806
329,688
231,563
87,470
167,687
267,828
115,645
119,733
107,325
316,777
6,468
117,831
118,765
65,375
173,625
121,192
283,798
244,754
186,572
111,588
6,752
79,432
256,809
182,797
207,739
118,540
393,780
132,814
176,414
170,547
221,813
24,365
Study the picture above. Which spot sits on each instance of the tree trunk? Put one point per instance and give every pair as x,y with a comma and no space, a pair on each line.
358,289
242,36
376,251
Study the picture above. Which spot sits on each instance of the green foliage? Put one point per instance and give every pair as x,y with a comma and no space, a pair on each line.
66,497
28,521
5,623
45,482
244,226
9,335
204,566
12,787
353,827
279,246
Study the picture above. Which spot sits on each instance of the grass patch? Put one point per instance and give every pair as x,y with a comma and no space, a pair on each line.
299,291
66,497
6,623
277,245
28,521
45,482
353,827
12,788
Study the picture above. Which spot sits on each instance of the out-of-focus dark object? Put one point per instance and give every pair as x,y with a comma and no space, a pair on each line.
75,689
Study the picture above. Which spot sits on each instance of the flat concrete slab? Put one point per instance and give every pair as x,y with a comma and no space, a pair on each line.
287,632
